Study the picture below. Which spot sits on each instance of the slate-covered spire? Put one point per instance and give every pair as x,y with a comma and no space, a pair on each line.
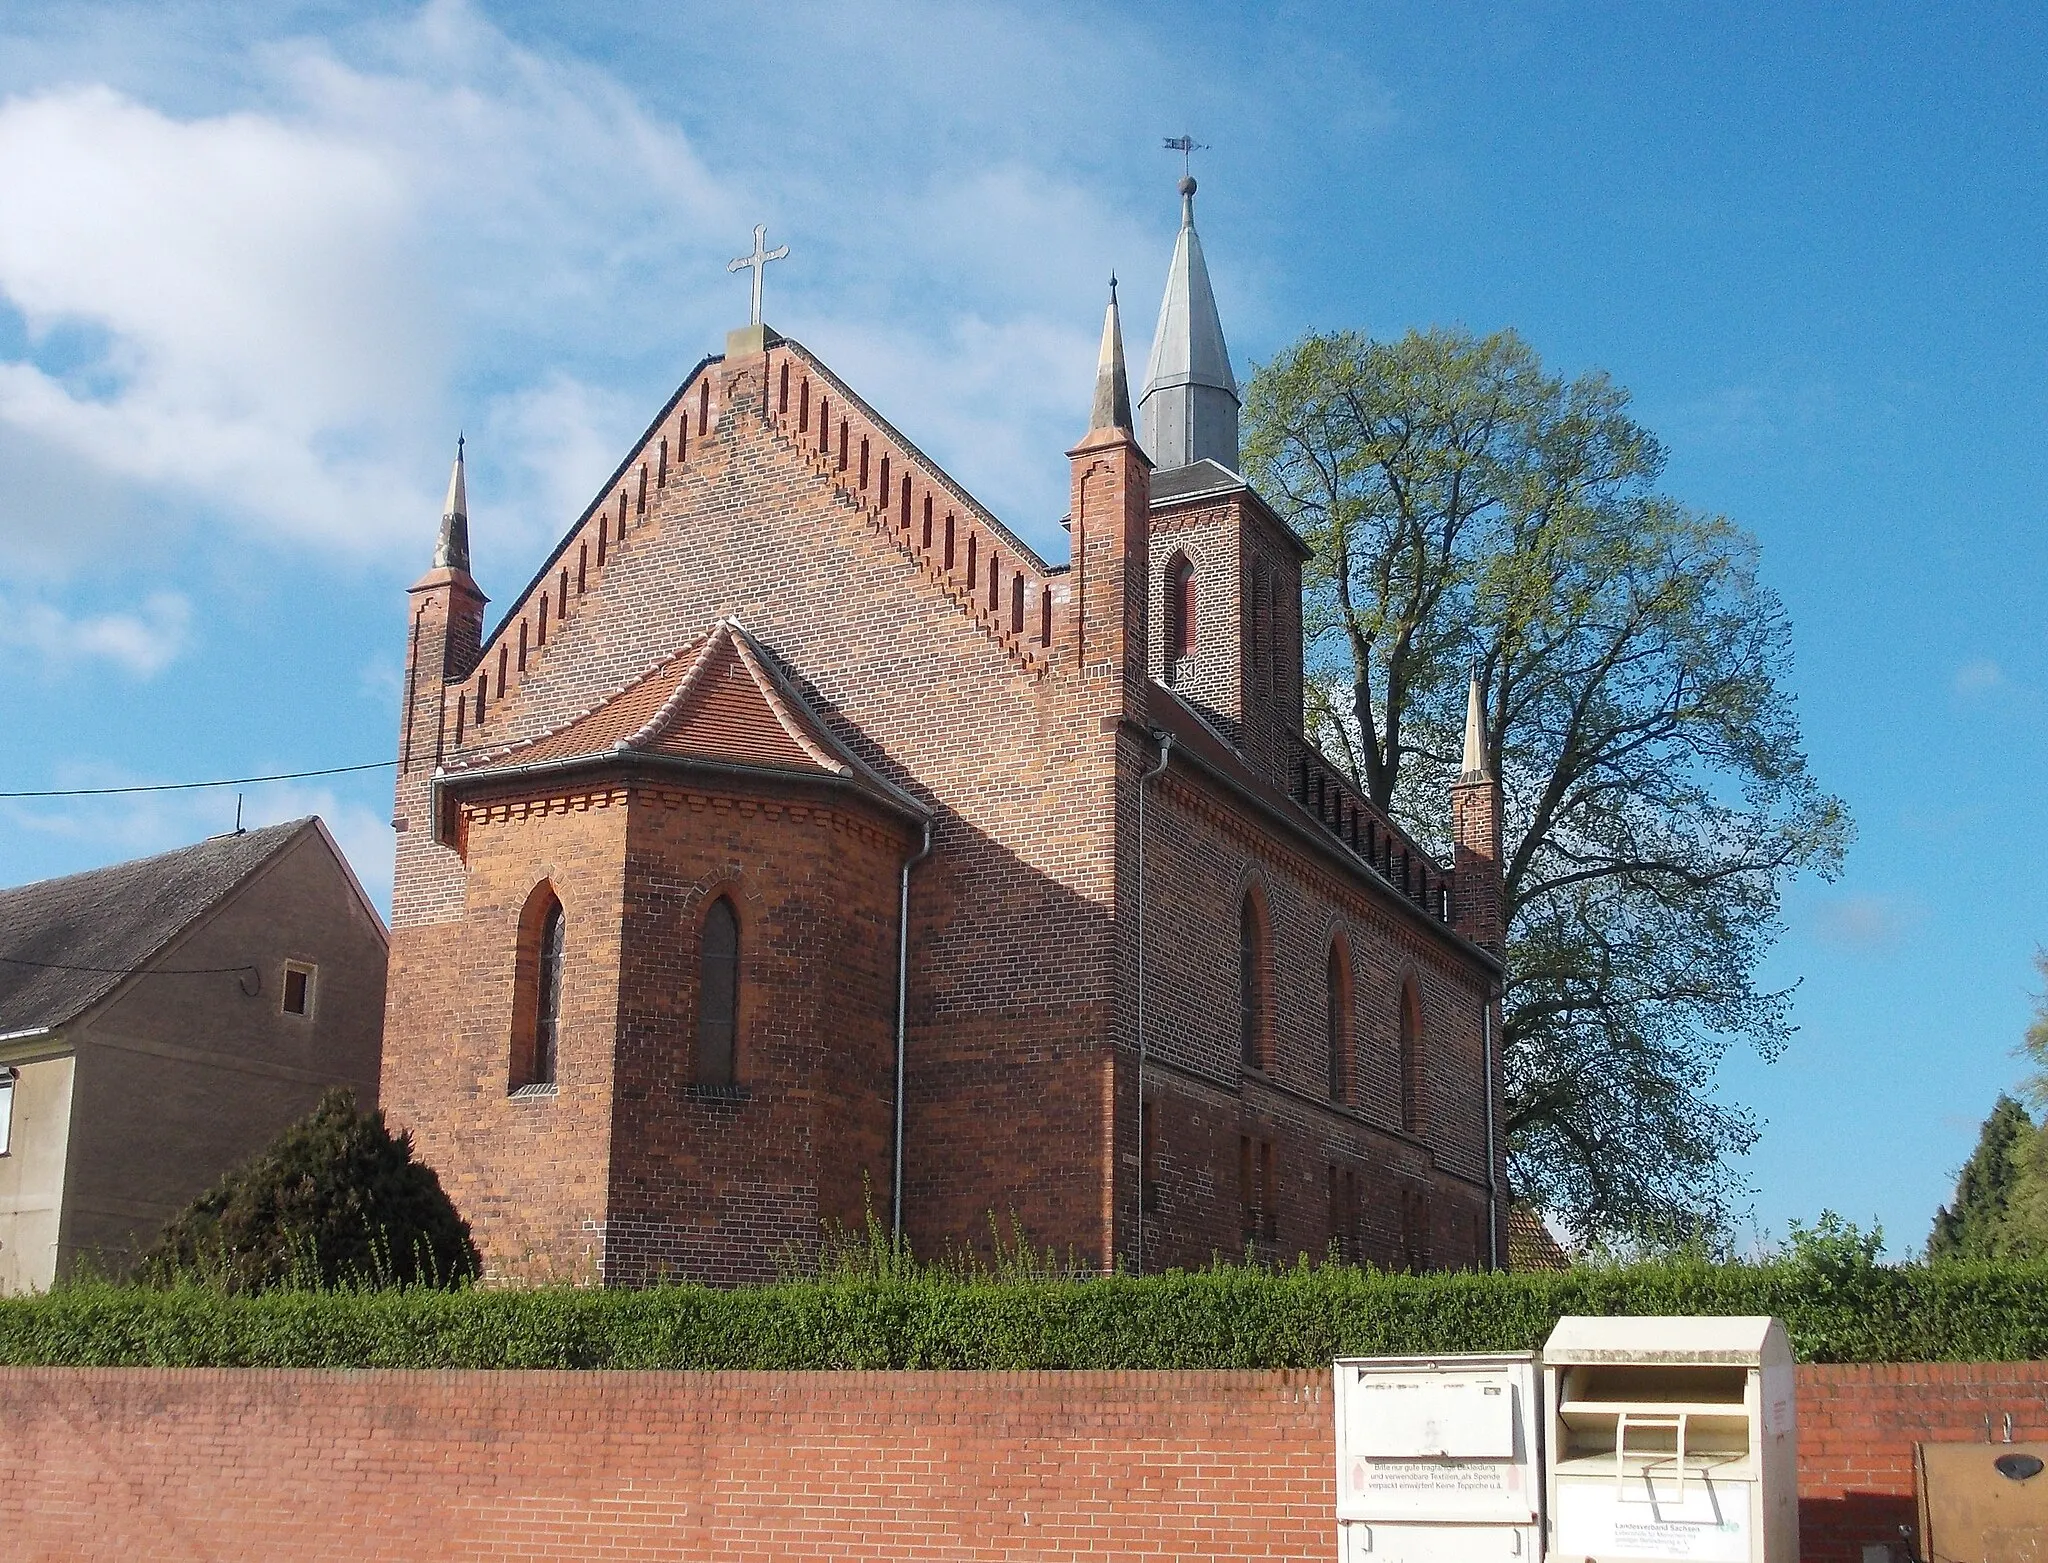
451,552
1188,410
1475,767
1112,408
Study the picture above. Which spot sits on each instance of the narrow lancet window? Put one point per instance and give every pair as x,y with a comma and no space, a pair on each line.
537,991
1251,984
547,1019
1336,1017
718,984
1414,1063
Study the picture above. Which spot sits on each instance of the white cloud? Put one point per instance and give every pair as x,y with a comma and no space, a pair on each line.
278,307
1978,677
143,642
264,311
243,281
1866,923
544,450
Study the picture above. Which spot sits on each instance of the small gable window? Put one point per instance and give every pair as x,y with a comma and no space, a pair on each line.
718,992
298,988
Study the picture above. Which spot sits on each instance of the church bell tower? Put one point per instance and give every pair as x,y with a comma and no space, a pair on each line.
1188,409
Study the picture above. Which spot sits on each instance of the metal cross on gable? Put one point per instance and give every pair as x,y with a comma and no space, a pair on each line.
758,261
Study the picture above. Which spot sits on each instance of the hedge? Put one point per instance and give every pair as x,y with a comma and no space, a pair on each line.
1222,1318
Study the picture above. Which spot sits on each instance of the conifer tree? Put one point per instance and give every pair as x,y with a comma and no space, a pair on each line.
1976,1225
336,1199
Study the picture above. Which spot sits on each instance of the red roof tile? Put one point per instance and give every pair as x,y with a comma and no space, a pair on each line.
720,699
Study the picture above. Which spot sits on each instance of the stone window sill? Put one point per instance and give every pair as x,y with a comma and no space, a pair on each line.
532,1093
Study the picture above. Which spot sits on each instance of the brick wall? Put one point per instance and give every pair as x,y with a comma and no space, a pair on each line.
1857,1428
181,1465
503,1466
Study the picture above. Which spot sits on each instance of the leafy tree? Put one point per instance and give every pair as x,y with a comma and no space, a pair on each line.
337,1199
1974,1226
1469,510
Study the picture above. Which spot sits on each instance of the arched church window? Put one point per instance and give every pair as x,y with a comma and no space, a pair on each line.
1414,1072
1269,640
718,991
537,990
1337,1018
1180,613
1252,982
547,1020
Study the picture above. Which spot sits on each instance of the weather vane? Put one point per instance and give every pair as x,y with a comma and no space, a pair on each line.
759,261
1187,147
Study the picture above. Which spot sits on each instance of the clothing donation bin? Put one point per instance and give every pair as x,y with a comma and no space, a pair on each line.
1981,1503
1439,1459
1671,1440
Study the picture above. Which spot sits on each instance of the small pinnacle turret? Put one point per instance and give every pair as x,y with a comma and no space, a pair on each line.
1188,409
1112,408
451,552
1475,767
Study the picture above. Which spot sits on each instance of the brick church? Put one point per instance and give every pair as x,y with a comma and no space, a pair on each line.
799,843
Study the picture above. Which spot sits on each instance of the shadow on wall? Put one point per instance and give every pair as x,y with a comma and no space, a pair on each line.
1838,1530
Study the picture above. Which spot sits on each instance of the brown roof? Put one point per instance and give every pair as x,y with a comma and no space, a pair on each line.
1530,1245
722,700
67,943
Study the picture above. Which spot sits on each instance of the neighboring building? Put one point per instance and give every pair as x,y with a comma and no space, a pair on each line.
786,687
1530,1243
160,1021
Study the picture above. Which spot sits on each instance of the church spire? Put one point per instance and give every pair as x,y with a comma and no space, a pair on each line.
1188,410
1112,408
1475,767
451,552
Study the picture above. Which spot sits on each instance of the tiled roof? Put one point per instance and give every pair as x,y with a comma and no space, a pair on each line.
67,943
723,699
1530,1245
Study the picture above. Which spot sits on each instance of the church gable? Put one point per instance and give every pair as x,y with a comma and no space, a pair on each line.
960,553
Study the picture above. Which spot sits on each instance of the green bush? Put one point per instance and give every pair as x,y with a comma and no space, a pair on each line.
336,1200
1839,1308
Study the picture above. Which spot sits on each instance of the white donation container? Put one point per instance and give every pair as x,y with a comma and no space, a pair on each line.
1671,1441
1439,1459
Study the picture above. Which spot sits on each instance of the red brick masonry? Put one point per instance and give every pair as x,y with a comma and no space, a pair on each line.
183,1464
1857,1428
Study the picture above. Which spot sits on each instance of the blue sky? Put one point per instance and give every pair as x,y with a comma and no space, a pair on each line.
259,263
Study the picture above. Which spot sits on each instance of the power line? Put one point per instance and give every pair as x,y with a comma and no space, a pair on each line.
231,781
129,971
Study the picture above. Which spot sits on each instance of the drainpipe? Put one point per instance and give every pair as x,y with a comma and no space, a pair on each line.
902,1017
1165,753
1492,1161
